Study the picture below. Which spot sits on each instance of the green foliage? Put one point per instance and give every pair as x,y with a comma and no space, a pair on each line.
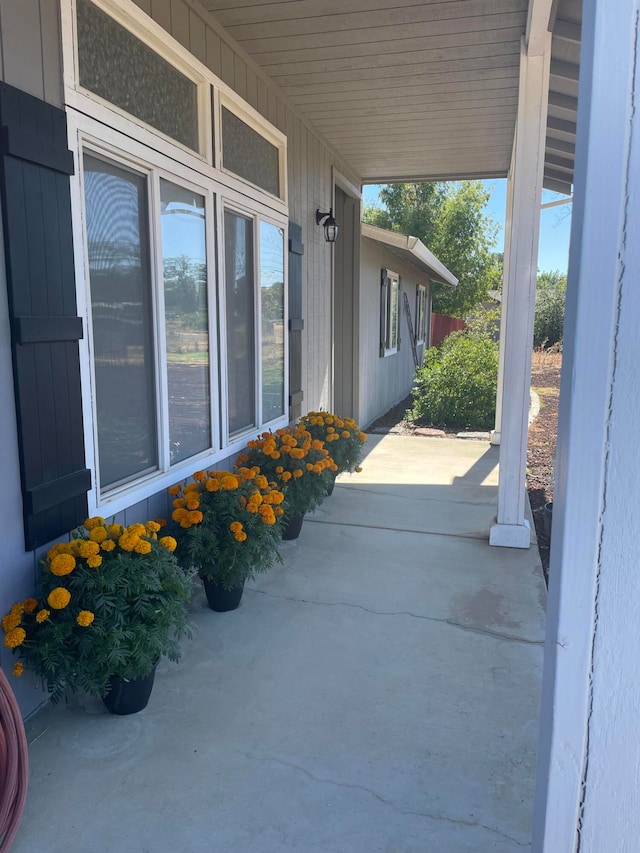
449,219
456,385
133,604
549,318
229,525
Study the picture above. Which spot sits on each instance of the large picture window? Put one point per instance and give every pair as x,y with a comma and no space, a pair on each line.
389,313
421,313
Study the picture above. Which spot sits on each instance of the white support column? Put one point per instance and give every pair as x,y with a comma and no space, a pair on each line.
495,435
510,528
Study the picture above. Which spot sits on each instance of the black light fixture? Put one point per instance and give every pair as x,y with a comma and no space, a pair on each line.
329,224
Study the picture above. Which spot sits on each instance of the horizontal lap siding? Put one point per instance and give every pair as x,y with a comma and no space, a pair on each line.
310,165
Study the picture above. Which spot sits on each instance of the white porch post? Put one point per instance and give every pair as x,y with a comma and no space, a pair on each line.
510,528
495,436
587,794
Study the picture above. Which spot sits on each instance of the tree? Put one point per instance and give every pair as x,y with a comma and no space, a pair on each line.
449,218
549,317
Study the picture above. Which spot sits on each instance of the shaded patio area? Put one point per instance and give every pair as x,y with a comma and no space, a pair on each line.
379,691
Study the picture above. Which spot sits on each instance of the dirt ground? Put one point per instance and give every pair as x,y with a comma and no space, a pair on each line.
545,381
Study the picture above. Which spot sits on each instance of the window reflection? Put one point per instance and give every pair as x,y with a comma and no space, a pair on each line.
272,306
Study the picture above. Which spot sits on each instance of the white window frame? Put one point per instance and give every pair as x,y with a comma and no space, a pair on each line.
106,131
422,299
390,277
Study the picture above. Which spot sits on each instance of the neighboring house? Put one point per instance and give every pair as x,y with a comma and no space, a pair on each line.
161,166
395,270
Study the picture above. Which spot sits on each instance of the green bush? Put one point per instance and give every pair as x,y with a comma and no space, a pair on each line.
456,386
549,317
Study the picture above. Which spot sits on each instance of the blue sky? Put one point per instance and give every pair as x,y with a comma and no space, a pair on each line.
555,224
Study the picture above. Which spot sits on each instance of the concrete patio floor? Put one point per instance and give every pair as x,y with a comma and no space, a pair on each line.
379,691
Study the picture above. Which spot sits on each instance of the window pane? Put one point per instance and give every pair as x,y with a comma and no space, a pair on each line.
240,311
393,336
184,258
272,306
248,154
120,68
120,282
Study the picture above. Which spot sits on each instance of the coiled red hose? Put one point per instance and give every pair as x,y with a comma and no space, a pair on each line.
14,765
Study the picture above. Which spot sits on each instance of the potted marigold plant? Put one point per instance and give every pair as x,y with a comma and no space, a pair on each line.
110,603
300,464
342,436
228,529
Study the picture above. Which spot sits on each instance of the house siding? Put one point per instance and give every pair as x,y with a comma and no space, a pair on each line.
384,381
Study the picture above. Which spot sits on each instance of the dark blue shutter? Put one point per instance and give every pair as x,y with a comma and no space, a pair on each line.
35,165
296,323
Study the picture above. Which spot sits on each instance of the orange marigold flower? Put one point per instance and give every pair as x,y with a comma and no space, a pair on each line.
212,485
108,545
42,615
96,520
229,482
63,564
128,541
86,549
169,543
298,473
60,548
11,621
152,526
143,547
261,481
195,516
30,604
58,598
115,530
95,561
98,534
286,476
358,470
161,522
346,433
241,536
137,529
199,476
317,444
362,436
18,669
279,469
309,466
174,490
179,514
179,503
191,487
85,618
193,503
279,511
235,526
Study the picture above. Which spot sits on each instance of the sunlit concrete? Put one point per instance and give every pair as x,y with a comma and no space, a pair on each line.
378,691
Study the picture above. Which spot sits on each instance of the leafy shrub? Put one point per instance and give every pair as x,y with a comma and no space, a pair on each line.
457,384
549,318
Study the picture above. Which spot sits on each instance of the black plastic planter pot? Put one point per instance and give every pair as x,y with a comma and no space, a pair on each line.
293,528
129,697
220,599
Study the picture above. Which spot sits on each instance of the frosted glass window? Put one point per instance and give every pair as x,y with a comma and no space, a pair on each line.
118,67
184,258
249,154
120,282
240,315
272,309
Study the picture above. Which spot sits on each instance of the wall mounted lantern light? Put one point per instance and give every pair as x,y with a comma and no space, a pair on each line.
329,224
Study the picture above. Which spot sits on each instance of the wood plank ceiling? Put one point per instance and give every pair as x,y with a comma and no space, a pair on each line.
404,89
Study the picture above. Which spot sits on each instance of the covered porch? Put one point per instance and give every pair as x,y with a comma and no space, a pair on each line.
378,691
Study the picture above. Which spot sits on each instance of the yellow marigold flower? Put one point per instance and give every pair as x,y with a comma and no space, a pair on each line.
11,621
152,526
362,436
128,541
193,503
330,429
18,669
309,466
58,598
115,530
98,534
339,423
95,561
286,476
195,516
95,521
212,485
346,433
85,618
358,469
229,482
60,548
317,444
180,514
15,637
297,453
108,545
137,529
42,615
169,543
143,547
64,564
298,473
279,469
277,497
174,490
88,549
30,604
235,526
